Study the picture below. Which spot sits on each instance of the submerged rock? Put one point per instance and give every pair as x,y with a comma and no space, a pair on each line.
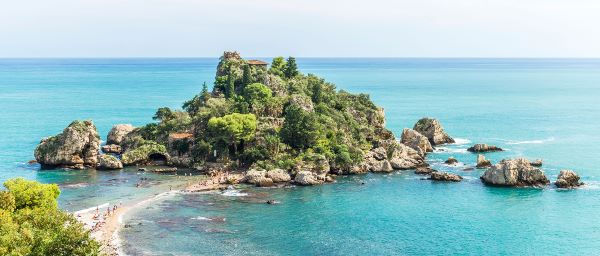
451,161
444,176
433,130
514,173
112,148
76,147
424,171
481,148
278,175
416,141
118,133
108,162
482,162
568,179
307,178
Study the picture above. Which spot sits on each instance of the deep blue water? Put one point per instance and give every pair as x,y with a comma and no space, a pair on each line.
535,108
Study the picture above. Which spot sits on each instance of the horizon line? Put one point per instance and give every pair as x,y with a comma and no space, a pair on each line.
303,57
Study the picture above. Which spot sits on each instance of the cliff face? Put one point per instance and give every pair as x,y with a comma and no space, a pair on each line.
76,147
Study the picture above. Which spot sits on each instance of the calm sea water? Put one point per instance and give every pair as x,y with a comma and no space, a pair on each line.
535,108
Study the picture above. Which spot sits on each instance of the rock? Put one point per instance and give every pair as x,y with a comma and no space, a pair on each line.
32,162
514,173
264,182
416,141
468,169
254,176
272,202
451,160
112,148
444,176
118,133
379,153
306,178
424,171
302,101
481,148
108,162
142,170
537,163
278,175
568,179
404,157
148,153
433,130
482,162
76,147
163,170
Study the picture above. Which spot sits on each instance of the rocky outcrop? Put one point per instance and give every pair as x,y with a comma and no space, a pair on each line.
416,141
514,173
482,162
482,148
76,147
148,153
396,157
451,161
433,130
568,179
278,175
424,171
404,157
444,176
118,133
112,148
108,162
307,178
537,163
254,176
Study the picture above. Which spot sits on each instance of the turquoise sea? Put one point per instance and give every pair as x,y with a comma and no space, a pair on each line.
535,108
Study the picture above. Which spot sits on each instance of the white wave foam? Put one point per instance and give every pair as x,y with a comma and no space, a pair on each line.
450,150
91,209
75,185
460,141
233,192
530,141
201,218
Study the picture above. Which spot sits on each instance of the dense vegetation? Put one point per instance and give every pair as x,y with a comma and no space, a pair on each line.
268,117
32,224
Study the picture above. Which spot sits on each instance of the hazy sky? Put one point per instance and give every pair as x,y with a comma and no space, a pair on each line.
390,28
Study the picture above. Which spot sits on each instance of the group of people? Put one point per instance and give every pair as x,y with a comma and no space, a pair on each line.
100,218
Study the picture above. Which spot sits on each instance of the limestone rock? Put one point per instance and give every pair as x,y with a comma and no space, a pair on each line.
482,162
118,132
568,179
514,173
307,178
416,141
148,153
451,161
424,171
433,130
481,148
254,176
537,163
264,182
112,148
76,147
278,175
444,176
108,162
404,157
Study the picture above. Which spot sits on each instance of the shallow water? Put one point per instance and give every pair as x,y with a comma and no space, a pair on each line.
545,109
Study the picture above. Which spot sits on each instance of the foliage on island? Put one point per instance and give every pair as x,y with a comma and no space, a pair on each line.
32,224
269,117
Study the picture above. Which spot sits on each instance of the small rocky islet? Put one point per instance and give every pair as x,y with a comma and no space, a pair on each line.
272,126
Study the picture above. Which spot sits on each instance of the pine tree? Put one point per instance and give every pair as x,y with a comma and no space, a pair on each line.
291,69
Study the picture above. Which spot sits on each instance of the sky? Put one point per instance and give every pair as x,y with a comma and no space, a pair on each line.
307,28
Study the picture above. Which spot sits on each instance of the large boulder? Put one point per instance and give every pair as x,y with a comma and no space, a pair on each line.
108,162
278,175
433,130
112,148
424,171
307,178
254,176
149,152
481,148
451,161
444,176
118,133
404,157
568,179
416,141
396,157
514,173
76,147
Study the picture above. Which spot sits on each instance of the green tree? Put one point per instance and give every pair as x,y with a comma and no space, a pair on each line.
291,68
278,66
257,93
163,114
192,106
233,129
32,224
300,129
